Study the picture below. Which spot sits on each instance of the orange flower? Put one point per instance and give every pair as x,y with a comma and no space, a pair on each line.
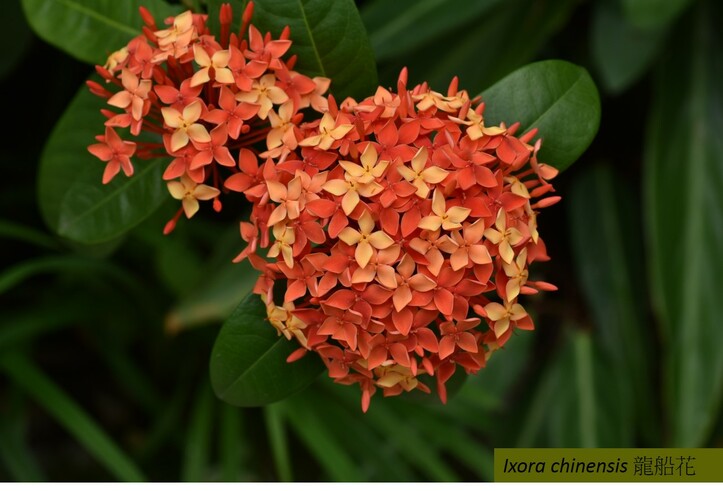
367,242
189,192
186,125
116,152
448,219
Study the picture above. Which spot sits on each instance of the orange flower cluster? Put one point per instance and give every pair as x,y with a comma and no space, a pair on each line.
206,97
393,235
399,235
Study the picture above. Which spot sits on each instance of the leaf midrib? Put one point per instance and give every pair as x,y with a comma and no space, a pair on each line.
317,56
580,76
258,360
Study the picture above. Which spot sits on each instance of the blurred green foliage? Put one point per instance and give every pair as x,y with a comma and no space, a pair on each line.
104,349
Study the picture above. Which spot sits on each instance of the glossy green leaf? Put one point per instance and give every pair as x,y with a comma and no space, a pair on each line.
71,416
622,51
73,200
329,38
608,253
653,13
683,176
556,97
90,30
248,363
390,23
484,49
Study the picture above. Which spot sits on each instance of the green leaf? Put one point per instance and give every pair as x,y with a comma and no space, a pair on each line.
390,23
198,437
231,443
622,51
15,453
214,299
653,13
275,427
71,416
47,316
329,38
404,435
591,406
248,363
16,231
16,29
683,176
90,30
556,97
73,200
306,419
484,49
608,254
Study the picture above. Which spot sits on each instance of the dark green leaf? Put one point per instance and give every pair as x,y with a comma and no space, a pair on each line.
556,97
28,235
90,30
591,404
683,176
328,448
653,13
248,363
483,50
214,299
622,51
15,453
329,38
231,443
400,26
73,200
16,29
607,248
198,437
401,433
71,416
276,428
388,463
48,316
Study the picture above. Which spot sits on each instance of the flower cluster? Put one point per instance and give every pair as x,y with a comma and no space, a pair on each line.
393,235
204,98
395,240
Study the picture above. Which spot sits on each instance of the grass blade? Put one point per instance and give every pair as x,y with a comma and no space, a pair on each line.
231,426
274,417
196,459
70,415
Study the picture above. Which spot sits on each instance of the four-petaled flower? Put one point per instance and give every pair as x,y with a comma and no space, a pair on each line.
366,240
185,125
420,175
189,192
448,219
